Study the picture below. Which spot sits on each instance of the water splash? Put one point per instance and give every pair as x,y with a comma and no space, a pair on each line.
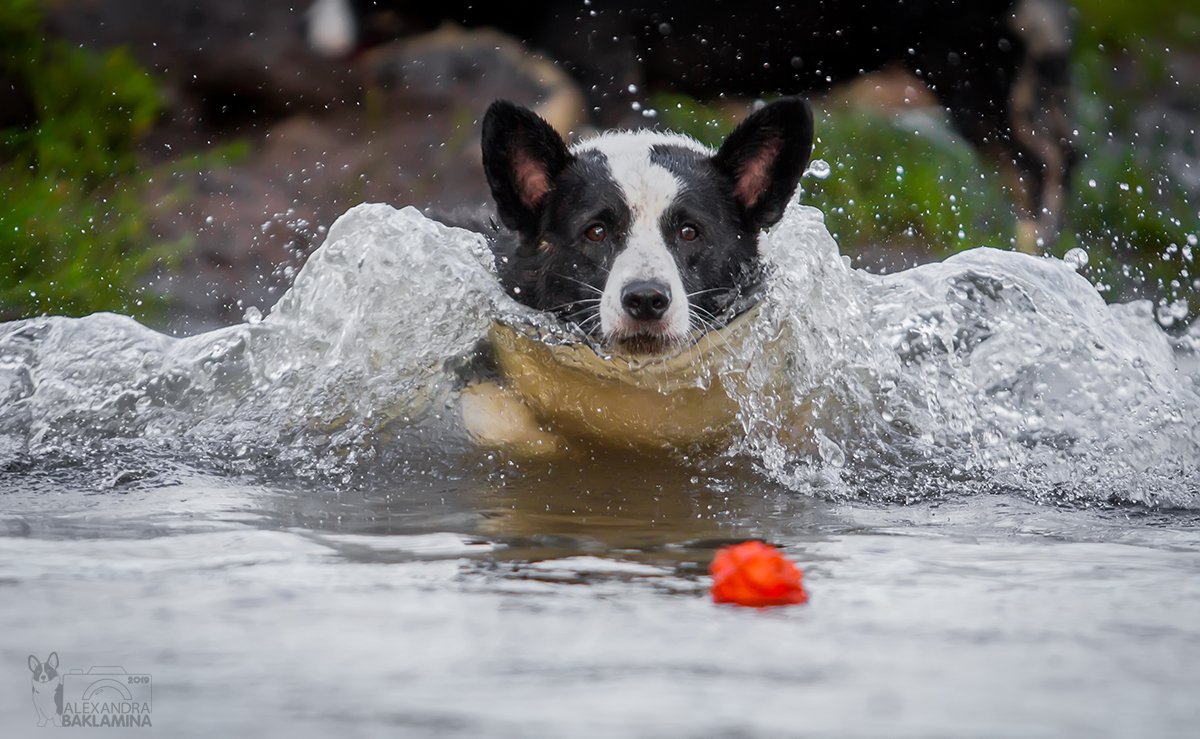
361,339
990,370
818,169
1076,258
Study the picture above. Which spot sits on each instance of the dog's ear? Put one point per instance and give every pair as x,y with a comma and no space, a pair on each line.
34,664
765,157
522,156
52,661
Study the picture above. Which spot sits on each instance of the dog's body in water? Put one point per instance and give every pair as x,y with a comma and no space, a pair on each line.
645,242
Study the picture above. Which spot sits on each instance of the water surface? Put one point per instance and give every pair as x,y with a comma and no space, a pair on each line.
283,523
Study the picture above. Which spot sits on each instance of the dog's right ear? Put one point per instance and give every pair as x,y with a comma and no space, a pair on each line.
34,664
522,156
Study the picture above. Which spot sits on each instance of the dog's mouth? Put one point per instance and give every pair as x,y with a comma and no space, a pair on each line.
645,344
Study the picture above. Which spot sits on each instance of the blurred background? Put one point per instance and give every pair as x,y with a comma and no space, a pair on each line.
178,161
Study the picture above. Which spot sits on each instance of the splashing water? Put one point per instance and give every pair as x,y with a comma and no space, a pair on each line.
992,367
818,168
991,370
361,339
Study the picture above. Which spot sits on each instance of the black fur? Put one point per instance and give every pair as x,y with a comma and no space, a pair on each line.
779,138
514,135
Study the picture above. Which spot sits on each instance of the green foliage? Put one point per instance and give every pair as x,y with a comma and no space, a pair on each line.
1127,211
73,233
905,183
1141,25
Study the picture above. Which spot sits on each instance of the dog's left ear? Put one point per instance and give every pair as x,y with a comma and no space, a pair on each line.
765,157
522,156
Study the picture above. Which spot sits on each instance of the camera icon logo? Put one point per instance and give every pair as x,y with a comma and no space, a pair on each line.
102,696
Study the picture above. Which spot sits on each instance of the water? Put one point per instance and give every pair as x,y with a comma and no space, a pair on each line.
994,495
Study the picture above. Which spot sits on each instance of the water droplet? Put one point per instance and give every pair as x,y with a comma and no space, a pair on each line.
1076,258
819,169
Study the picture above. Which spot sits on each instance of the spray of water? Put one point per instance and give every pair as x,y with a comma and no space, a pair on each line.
991,370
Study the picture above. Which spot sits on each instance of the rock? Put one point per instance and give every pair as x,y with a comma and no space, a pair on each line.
413,140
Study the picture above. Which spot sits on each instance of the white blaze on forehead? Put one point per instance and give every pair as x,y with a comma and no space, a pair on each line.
648,190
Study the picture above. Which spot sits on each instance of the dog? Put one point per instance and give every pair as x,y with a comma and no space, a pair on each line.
646,243
1000,67
47,689
639,238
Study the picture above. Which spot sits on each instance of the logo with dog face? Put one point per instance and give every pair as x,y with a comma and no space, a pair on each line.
47,689
102,696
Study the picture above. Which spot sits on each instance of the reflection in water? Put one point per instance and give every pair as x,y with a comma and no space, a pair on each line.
632,504
608,503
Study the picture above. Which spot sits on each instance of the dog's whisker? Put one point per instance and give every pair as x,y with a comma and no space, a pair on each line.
704,312
581,283
584,324
713,326
570,303
710,328
709,290
583,306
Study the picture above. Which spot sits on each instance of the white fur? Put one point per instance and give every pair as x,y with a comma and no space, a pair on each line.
637,141
649,190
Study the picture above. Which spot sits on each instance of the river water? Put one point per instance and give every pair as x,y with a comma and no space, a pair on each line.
995,500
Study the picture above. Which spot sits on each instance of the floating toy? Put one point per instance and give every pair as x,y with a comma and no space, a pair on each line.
756,574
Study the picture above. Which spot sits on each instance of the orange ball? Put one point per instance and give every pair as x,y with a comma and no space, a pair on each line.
756,574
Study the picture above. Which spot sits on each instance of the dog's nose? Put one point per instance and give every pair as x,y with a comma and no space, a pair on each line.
646,301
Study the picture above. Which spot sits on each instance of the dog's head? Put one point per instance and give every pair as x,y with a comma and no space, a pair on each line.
44,672
640,238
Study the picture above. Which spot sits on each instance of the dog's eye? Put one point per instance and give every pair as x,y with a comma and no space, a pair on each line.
596,232
688,232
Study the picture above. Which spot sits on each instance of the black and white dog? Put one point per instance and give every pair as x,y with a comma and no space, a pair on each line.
640,238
